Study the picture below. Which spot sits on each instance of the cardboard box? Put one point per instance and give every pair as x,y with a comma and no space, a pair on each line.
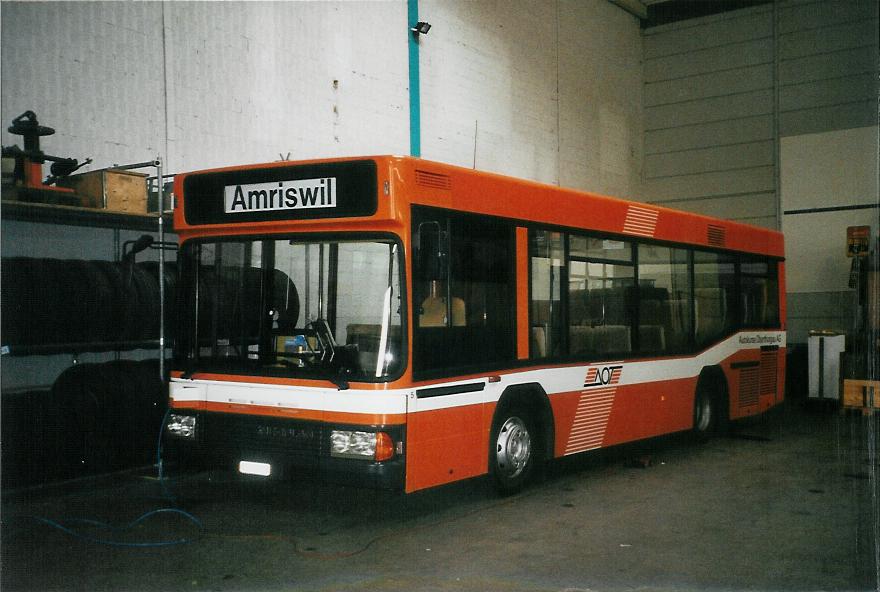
119,191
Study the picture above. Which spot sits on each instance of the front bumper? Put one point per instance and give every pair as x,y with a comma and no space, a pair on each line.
294,448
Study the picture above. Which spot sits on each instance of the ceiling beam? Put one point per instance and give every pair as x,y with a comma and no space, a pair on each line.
634,7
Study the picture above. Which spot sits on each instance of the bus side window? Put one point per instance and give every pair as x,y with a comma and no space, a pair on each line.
547,261
759,292
664,298
601,301
714,295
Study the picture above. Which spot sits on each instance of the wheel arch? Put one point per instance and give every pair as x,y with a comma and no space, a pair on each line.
532,397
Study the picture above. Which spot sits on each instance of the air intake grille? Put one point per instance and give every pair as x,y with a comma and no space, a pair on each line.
716,235
768,372
434,180
748,386
235,432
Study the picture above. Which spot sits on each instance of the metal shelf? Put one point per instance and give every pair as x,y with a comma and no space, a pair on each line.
79,348
77,216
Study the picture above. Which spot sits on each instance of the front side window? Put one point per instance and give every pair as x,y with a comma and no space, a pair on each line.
310,308
463,280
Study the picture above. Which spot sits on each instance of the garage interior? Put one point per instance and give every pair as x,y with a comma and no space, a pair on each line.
758,111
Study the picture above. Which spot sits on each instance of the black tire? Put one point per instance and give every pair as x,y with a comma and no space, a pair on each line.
705,413
514,450
710,406
112,275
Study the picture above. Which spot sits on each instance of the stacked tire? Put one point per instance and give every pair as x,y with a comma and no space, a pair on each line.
70,301
105,417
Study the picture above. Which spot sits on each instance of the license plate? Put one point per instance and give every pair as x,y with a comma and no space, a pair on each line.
247,467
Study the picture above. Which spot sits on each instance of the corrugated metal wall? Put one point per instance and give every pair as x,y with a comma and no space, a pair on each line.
765,115
827,65
709,122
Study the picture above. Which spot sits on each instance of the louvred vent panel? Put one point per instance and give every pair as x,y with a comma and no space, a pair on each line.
434,180
716,235
768,372
748,387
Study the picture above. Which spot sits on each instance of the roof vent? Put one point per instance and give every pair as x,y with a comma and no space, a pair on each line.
434,180
716,235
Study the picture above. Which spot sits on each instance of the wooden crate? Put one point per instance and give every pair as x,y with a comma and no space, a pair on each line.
861,394
119,191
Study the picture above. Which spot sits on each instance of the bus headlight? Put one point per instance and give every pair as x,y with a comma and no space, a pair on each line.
350,444
183,426
366,445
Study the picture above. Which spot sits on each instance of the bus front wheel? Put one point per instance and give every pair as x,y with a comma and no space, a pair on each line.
514,450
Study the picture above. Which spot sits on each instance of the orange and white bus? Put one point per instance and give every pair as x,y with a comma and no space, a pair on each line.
401,323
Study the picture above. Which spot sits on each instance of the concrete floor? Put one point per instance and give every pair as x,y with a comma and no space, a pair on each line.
784,503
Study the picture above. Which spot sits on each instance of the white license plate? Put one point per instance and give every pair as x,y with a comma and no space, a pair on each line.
247,467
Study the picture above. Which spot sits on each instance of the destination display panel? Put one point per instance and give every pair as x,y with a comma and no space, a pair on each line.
301,192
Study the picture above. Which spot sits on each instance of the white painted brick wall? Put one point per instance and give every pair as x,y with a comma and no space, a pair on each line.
544,90
555,86
89,70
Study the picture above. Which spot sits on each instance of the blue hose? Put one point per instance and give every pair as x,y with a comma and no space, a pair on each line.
95,523
58,525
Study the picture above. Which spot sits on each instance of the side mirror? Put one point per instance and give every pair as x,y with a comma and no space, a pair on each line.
133,247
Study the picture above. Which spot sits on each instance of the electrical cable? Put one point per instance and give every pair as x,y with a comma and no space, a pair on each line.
58,525
160,463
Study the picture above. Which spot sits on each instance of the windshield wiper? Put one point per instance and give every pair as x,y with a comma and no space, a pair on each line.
339,382
336,358
189,370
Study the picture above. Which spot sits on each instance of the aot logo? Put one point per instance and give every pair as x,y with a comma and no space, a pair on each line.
602,376
281,195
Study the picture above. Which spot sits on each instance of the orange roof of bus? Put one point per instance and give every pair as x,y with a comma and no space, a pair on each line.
416,181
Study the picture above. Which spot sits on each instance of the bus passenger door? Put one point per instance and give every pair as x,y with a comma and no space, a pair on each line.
463,295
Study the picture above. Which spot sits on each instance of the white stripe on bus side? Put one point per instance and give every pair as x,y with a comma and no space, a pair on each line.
552,380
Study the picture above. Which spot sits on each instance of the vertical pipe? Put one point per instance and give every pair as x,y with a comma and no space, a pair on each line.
777,91
160,194
415,116
321,280
116,254
308,283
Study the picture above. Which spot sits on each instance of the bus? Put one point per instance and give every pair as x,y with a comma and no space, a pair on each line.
398,323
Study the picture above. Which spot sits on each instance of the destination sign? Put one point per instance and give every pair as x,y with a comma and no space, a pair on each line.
289,195
271,192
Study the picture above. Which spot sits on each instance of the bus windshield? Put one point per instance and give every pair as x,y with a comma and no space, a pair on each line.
291,307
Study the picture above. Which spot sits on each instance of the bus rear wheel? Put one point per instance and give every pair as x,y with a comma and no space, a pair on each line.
514,450
710,414
704,414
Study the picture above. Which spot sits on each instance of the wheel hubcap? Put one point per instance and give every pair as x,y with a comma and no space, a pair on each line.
513,448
